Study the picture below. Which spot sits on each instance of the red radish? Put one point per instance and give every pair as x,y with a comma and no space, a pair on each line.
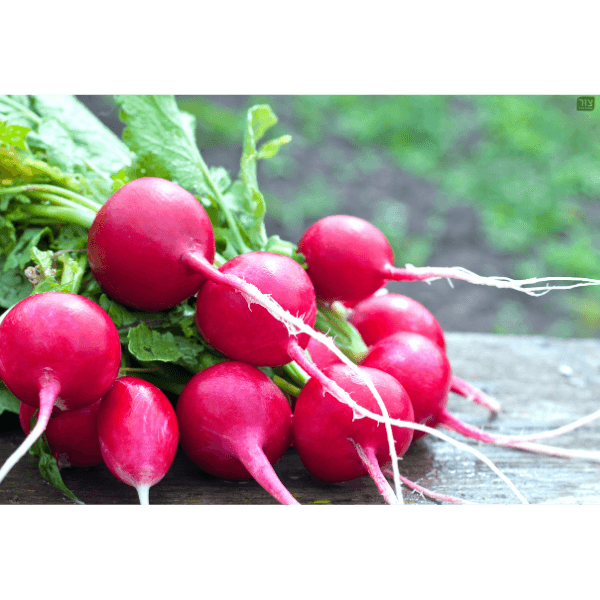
335,446
141,214
423,369
56,349
72,436
151,245
244,331
140,238
229,322
321,355
381,315
349,259
138,433
236,423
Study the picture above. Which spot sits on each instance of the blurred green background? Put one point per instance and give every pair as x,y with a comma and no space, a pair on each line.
501,185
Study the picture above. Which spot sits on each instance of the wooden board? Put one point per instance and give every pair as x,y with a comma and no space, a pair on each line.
541,383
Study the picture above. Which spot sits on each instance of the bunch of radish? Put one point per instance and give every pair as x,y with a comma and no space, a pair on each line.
151,246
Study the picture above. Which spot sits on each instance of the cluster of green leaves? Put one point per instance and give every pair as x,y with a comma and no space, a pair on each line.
59,164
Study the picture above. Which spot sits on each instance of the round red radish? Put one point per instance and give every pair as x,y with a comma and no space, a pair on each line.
382,315
56,350
378,316
138,239
326,434
422,368
347,258
235,423
72,436
245,331
138,433
59,337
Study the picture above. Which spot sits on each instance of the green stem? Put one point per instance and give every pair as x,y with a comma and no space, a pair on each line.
224,208
20,107
73,197
296,373
55,174
82,264
286,386
82,216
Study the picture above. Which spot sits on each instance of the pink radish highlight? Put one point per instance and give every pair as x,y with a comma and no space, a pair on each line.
236,423
138,433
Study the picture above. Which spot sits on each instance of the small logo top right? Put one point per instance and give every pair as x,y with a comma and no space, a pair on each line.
585,103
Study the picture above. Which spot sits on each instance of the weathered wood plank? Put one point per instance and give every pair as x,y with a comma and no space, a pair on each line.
523,373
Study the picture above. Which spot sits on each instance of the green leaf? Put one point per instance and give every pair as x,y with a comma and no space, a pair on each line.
48,467
60,147
21,253
13,135
14,286
161,136
148,345
90,141
16,110
8,401
56,274
117,312
270,149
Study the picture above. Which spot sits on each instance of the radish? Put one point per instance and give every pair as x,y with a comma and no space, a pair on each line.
236,423
72,436
151,246
222,314
423,369
165,220
141,240
242,331
138,433
349,259
336,447
321,355
56,349
381,315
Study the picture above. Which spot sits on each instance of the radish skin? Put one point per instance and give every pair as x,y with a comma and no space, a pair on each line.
72,436
236,423
382,315
56,350
138,433
335,446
